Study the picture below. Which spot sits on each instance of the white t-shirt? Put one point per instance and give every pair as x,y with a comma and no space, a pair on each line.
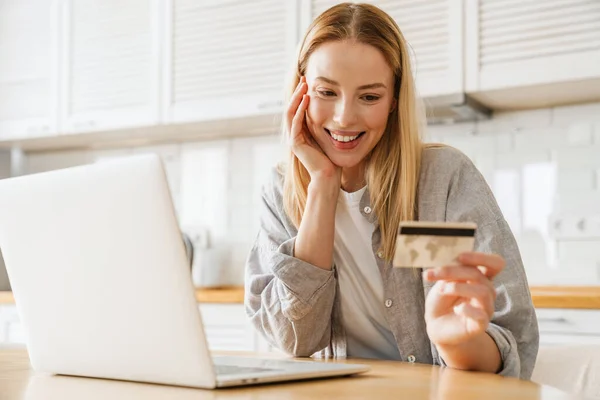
362,305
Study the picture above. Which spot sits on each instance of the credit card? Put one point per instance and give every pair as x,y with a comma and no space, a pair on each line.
423,244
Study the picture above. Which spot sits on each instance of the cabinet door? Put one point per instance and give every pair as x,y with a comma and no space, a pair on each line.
11,329
110,64
528,42
566,326
226,58
433,30
227,327
28,70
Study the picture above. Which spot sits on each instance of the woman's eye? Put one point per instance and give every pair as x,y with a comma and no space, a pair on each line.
371,97
326,93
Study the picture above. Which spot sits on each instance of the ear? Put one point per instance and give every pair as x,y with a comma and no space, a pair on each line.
393,106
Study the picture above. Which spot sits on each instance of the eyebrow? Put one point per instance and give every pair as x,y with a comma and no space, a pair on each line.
369,86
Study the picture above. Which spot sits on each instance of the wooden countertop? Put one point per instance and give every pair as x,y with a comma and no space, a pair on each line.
224,295
581,297
577,297
385,380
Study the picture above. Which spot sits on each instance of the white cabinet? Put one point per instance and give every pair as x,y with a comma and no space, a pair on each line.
11,329
226,59
226,325
568,326
110,64
434,31
228,328
523,43
28,68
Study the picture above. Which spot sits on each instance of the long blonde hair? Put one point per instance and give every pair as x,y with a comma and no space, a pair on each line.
392,167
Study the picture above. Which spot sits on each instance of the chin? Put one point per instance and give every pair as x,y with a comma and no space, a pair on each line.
345,162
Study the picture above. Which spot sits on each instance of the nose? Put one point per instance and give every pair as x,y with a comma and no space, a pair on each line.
345,115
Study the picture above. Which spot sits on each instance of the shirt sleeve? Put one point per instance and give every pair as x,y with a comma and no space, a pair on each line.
513,326
289,301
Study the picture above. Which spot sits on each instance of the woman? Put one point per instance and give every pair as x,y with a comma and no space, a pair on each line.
319,278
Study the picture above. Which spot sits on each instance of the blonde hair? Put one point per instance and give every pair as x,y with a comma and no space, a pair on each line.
393,166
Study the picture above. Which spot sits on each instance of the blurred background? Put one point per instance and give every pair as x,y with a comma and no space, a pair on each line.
515,84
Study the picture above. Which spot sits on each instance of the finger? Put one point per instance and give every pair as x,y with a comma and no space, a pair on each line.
493,263
295,101
476,316
458,273
438,303
481,294
299,116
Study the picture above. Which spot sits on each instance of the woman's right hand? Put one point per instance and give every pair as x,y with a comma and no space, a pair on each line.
304,146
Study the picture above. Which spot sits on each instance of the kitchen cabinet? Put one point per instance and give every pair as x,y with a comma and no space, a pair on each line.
28,70
11,329
228,328
226,59
226,325
529,53
434,31
170,70
110,71
568,326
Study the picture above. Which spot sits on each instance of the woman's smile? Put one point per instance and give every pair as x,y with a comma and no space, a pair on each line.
345,140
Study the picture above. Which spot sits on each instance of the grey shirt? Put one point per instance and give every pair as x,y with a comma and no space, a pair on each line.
296,305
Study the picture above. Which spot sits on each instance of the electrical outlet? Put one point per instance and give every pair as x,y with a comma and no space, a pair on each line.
569,227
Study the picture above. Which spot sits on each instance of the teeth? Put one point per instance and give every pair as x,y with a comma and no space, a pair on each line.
344,138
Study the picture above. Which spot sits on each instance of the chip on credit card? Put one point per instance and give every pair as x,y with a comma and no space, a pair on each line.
424,244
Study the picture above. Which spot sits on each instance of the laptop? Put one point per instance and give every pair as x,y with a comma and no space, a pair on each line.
102,284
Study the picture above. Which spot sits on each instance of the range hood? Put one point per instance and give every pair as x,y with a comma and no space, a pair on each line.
456,107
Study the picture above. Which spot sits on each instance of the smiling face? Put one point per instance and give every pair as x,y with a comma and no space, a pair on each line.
351,95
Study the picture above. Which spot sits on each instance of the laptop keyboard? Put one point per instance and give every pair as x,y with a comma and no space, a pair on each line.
232,369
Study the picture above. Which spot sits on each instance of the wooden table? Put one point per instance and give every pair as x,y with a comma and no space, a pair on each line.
386,380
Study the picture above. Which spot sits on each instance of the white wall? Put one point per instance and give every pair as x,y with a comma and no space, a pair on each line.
540,164
544,168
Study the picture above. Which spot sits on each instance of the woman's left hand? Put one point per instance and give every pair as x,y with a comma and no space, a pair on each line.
461,303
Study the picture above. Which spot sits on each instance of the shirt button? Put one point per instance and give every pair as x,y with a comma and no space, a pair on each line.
388,303
412,359
380,254
367,210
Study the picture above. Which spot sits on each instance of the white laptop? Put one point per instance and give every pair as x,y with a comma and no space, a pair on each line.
102,285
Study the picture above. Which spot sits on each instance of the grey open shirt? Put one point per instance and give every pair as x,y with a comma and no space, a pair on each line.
296,305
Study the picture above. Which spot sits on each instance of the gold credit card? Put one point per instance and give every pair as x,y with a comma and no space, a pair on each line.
422,244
